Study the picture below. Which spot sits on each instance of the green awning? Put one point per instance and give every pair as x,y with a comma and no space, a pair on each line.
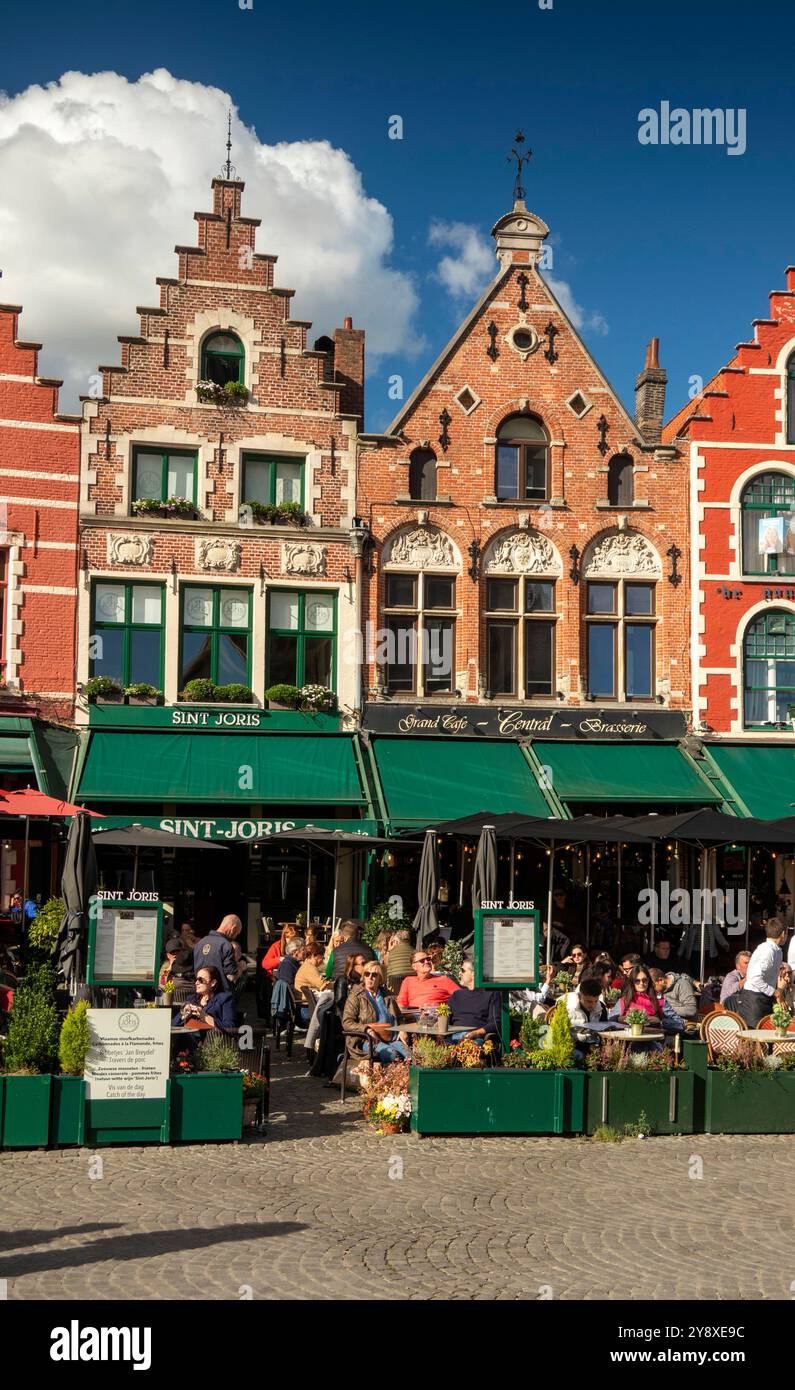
657,773
15,754
761,778
427,779
221,768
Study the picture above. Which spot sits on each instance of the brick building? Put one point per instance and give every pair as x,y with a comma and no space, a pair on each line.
39,480
739,437
218,544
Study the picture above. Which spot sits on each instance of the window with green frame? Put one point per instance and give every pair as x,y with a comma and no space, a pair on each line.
271,479
127,632
768,511
223,359
302,637
159,474
216,635
791,399
769,670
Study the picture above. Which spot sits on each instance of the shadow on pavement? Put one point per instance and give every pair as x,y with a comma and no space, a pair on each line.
144,1245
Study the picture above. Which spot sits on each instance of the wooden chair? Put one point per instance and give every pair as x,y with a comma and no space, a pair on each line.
722,1031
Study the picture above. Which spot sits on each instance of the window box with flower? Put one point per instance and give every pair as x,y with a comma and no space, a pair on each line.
167,508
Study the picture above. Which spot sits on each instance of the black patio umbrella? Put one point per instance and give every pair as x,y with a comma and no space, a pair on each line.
142,836
484,876
469,827
706,827
426,922
78,888
328,842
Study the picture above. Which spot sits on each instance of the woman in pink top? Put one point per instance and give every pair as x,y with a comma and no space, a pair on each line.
639,993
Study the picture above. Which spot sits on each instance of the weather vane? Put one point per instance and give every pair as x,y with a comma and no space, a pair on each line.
521,160
228,170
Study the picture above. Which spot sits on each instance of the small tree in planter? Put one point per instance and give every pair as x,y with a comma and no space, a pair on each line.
384,917
75,1040
32,1043
217,1053
46,925
283,696
103,690
198,691
142,694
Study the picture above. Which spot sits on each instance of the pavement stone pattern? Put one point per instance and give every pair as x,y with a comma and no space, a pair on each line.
308,1210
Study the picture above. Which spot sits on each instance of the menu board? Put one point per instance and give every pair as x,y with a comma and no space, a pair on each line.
124,943
506,944
128,1058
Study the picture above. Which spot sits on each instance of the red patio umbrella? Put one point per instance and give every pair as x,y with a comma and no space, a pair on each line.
30,802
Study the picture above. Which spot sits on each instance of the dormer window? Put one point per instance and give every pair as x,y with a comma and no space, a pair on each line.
223,359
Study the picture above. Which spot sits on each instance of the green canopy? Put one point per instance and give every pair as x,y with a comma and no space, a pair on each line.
222,768
761,777
15,754
619,772
429,779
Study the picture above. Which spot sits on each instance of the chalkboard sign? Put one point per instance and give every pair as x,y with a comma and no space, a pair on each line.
506,947
124,943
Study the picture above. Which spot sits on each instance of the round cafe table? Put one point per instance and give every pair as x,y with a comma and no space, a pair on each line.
626,1035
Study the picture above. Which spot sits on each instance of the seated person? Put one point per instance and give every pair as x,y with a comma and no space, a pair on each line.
670,1019
210,1003
351,944
758,994
354,966
398,960
308,975
275,953
474,1013
584,1005
639,993
287,970
660,957
178,964
678,992
367,1009
535,1001
424,989
627,963
577,962
735,979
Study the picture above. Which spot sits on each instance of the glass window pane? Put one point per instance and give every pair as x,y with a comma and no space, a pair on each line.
521,427
535,472
180,476
439,593
284,610
147,603
319,613
539,658
401,591
507,471
233,608
198,608
223,342
439,654
145,658
638,658
109,603
501,643
401,654
785,690
196,652
756,695
639,599
282,660
317,661
601,598
108,653
256,480
539,597
601,660
233,658
501,594
148,481
288,482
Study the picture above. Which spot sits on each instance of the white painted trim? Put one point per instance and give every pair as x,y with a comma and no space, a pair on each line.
46,502
765,466
38,425
697,618
47,589
41,474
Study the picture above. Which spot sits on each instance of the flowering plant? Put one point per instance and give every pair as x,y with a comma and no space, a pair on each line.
782,1017
253,1084
611,996
385,1101
443,1011
317,697
635,1018
168,987
171,506
467,1054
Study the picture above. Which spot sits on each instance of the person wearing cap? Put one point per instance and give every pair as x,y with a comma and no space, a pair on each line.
178,964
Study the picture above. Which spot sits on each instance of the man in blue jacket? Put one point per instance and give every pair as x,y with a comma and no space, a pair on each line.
216,949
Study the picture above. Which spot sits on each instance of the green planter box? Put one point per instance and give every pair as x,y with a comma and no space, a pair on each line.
751,1103
68,1114
496,1101
207,1106
128,1121
617,1098
26,1112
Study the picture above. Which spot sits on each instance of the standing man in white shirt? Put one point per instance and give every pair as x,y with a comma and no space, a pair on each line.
761,981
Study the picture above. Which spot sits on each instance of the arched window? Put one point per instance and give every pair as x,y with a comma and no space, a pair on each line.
768,510
769,670
791,399
223,359
522,460
621,481
422,475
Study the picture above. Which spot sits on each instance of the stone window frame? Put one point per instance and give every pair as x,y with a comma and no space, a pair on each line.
164,436
277,444
13,542
221,320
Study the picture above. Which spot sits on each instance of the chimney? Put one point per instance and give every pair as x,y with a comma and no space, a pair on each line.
650,395
349,369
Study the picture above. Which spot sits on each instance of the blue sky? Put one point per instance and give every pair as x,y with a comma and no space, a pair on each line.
680,242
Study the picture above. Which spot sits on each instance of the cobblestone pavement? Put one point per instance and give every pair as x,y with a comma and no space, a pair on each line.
310,1211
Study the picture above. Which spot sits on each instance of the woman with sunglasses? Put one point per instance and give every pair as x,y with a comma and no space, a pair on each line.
210,1003
639,993
368,1010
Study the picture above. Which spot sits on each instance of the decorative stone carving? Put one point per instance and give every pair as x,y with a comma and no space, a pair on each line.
626,553
524,552
130,549
218,553
303,557
422,549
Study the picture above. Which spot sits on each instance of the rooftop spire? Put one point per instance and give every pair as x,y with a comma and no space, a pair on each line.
521,159
228,171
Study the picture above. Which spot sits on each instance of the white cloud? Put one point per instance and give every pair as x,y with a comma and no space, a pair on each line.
584,322
472,267
102,177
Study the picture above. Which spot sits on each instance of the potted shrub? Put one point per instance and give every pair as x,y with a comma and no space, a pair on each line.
253,1095
782,1018
46,925
317,698
198,691
635,1020
142,694
68,1089
103,690
231,393
290,513
30,1057
282,696
386,1104
207,1103
233,694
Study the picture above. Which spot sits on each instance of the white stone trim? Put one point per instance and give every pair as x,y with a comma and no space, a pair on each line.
40,474
38,425
13,542
280,444
48,589
220,320
163,436
46,502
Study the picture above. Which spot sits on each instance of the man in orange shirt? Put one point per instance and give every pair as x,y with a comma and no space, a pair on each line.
424,989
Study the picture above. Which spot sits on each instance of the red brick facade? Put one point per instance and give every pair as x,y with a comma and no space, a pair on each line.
39,484
739,434
518,356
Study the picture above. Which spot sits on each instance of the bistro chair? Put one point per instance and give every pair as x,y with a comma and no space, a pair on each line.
357,1055
285,1023
181,993
784,1046
722,1031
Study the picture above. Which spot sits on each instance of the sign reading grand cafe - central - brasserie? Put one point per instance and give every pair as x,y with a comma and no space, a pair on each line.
525,722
